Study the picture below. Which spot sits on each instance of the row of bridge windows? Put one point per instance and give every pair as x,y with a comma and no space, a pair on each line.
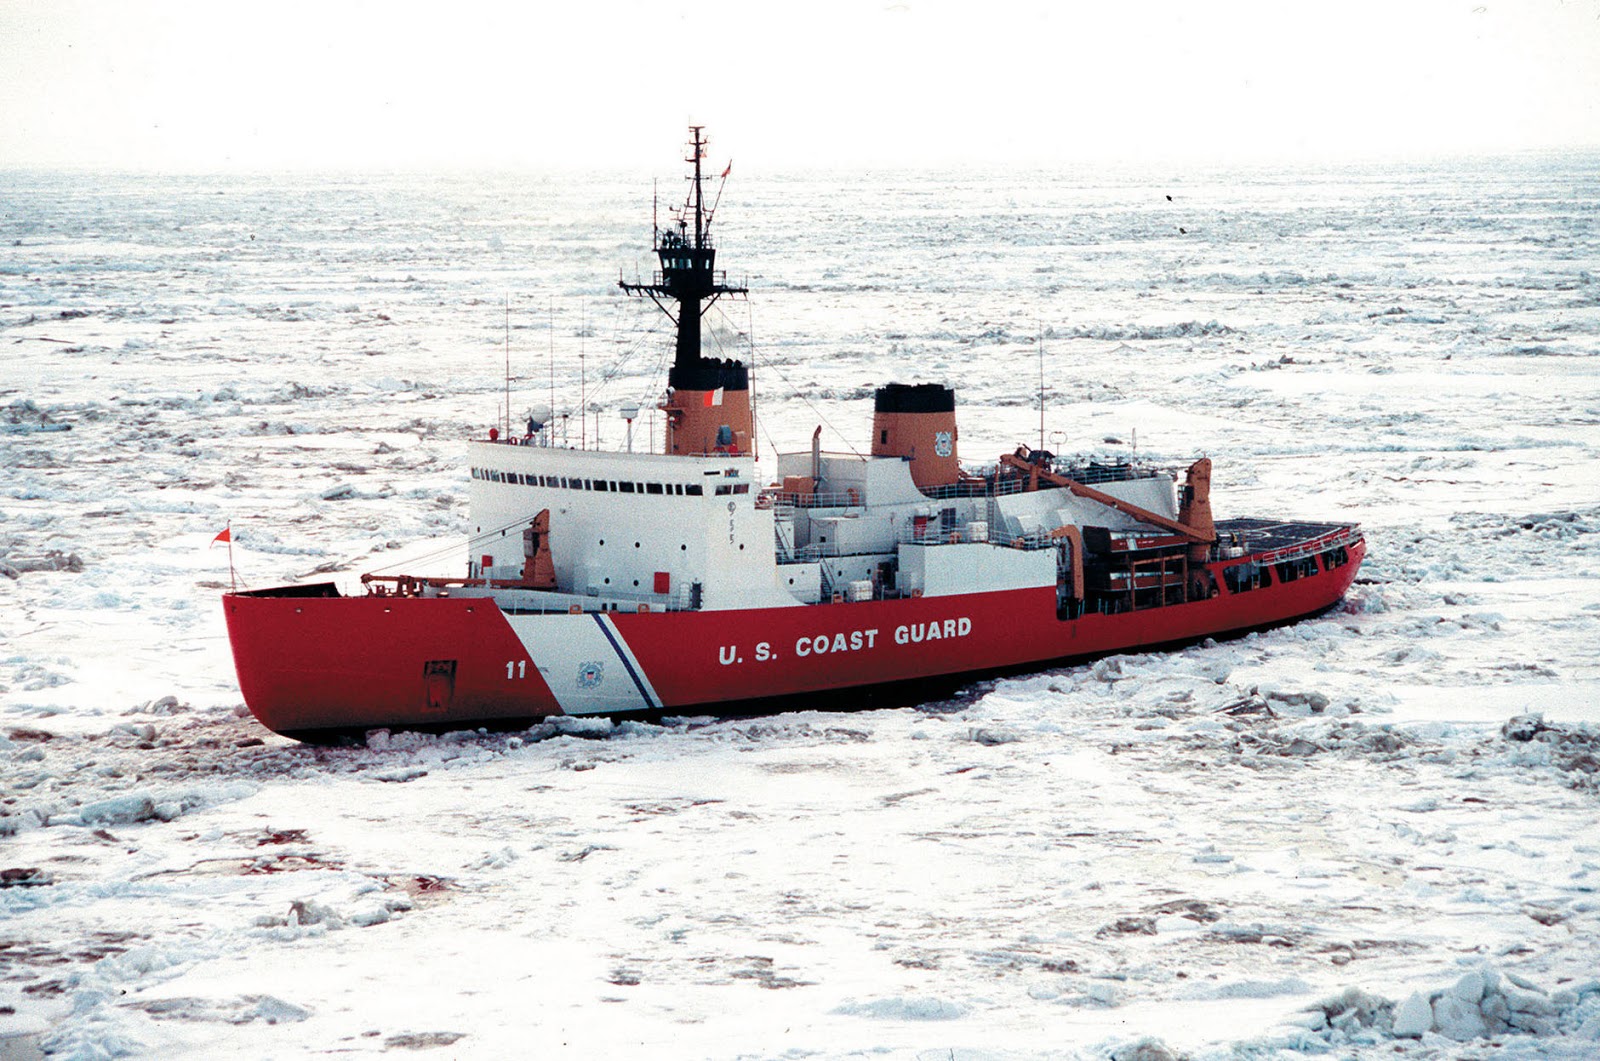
573,482
615,486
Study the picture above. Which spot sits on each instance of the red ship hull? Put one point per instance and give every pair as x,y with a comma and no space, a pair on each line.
310,663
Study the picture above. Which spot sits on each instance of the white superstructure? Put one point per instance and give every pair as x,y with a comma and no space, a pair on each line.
630,530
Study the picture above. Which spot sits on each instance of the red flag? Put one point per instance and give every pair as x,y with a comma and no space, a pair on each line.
728,170
713,398
226,537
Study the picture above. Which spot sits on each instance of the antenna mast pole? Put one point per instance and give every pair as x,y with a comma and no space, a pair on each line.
755,436
698,150
1039,328
583,380
550,437
507,426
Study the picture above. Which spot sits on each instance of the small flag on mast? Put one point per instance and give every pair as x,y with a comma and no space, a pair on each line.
728,170
226,537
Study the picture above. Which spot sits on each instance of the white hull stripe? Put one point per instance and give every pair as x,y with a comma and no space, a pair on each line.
582,664
629,664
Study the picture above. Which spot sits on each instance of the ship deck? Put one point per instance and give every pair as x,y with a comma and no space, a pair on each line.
1282,536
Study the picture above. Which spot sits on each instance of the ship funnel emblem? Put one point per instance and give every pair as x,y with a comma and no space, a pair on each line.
943,444
590,674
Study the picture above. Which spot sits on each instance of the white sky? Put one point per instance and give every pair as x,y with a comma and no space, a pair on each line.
221,84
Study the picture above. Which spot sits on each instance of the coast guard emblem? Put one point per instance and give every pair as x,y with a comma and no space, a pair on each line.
590,674
943,444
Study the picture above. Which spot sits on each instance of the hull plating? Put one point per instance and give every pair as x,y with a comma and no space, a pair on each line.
311,663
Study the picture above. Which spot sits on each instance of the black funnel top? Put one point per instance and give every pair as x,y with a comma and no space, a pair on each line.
914,398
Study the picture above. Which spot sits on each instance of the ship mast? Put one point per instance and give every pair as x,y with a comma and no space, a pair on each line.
708,404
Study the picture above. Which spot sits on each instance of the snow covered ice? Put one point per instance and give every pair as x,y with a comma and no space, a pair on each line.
1373,834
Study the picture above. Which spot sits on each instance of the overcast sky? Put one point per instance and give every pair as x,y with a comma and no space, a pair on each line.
239,84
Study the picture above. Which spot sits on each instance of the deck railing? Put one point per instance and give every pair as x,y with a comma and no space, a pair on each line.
1311,547
853,498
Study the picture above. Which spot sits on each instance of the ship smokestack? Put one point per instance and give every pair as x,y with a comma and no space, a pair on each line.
918,423
708,409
